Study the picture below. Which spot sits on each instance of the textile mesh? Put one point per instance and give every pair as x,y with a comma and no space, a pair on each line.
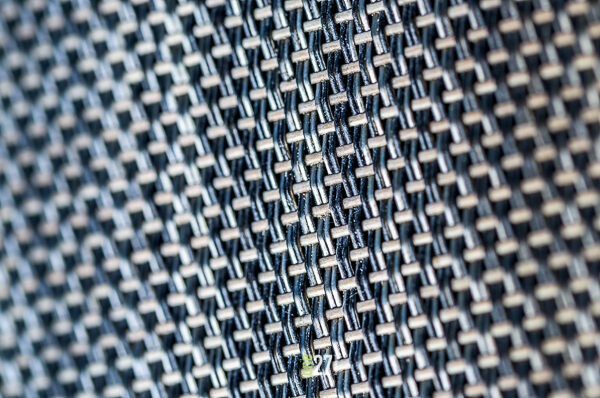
299,198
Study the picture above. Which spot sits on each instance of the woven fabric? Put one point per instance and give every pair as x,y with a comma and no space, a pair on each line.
225,198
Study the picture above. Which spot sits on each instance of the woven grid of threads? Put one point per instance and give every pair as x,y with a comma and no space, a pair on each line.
201,198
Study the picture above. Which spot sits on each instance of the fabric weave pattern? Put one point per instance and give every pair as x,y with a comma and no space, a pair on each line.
299,198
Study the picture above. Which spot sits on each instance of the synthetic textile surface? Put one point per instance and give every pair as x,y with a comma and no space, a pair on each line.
299,198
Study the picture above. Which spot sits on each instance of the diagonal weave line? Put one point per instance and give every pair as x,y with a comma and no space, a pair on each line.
299,198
